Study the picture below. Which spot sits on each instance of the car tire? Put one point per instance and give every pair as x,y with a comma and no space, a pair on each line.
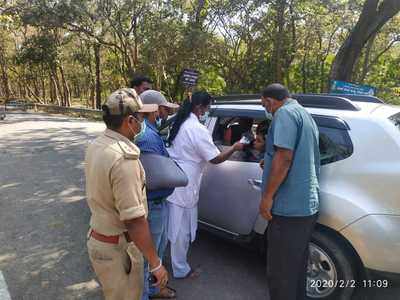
331,272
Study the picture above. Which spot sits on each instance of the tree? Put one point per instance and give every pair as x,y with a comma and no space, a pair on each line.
79,50
375,14
3,63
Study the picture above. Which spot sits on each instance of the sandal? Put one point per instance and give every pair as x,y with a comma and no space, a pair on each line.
193,274
165,293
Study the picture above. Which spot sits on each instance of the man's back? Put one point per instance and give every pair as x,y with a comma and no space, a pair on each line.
293,128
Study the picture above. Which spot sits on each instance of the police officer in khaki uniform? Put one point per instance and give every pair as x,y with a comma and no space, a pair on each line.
116,194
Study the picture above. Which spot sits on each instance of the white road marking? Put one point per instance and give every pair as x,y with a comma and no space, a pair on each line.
4,294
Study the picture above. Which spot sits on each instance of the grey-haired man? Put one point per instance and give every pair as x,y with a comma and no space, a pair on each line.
290,188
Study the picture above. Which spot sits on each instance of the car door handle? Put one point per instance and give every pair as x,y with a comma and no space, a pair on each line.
255,183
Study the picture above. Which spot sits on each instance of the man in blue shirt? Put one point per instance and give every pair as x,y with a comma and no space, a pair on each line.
165,108
290,198
151,142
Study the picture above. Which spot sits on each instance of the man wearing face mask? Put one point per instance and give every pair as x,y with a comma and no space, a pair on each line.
119,234
151,142
164,107
290,188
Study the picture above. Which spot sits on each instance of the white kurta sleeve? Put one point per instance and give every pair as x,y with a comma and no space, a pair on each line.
204,144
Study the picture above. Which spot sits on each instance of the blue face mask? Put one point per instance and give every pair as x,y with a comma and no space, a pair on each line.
158,122
203,118
141,132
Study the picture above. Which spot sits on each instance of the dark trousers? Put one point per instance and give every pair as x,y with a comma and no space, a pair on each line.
287,256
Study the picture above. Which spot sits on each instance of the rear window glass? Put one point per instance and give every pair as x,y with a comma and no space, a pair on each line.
396,120
334,144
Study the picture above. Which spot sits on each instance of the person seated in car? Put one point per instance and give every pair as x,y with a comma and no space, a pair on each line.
254,151
245,125
259,142
236,129
254,148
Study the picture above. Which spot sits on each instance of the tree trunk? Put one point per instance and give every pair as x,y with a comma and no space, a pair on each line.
98,84
36,85
279,40
92,92
374,15
4,75
304,70
22,87
43,83
135,50
34,95
51,90
66,90
56,89
292,44
367,56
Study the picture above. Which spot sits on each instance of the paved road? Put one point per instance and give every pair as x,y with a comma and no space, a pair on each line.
43,222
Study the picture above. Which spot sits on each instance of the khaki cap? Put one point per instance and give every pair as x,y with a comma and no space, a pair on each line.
155,97
127,97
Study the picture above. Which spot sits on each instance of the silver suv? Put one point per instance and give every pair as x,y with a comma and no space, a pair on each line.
358,230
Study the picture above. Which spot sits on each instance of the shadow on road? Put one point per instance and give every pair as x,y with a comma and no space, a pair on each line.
42,213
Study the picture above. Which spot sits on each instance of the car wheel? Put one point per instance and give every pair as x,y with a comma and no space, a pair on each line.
330,271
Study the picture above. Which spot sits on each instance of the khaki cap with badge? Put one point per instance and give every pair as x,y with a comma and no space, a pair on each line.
119,100
155,97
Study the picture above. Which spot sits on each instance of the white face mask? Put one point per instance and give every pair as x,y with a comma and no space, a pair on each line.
203,118
158,122
137,136
268,115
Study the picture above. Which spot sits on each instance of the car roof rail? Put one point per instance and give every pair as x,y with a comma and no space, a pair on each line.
236,97
325,101
360,98
307,100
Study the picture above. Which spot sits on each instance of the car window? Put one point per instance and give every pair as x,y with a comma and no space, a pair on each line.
229,130
334,144
396,120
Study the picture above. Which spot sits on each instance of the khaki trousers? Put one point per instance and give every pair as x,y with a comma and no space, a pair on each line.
119,268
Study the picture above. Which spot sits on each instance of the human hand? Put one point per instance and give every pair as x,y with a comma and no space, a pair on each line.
261,163
161,276
265,208
238,146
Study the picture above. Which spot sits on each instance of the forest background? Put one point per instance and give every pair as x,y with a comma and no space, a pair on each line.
75,52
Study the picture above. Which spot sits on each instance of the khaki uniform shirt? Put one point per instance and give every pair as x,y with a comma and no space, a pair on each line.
115,183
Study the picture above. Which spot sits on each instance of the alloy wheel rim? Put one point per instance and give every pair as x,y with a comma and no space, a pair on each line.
321,273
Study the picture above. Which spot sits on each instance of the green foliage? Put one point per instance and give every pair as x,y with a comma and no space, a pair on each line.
38,50
231,43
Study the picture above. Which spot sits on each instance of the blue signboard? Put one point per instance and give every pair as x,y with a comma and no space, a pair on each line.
342,87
